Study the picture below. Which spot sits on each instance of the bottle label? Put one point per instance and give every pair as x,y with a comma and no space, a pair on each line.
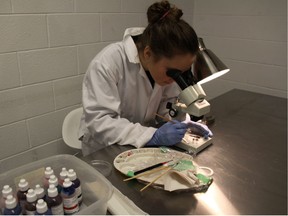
78,192
57,210
30,212
22,204
70,205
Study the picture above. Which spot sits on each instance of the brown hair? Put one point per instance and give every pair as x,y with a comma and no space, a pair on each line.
167,34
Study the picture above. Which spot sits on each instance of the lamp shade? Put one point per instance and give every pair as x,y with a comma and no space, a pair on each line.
207,65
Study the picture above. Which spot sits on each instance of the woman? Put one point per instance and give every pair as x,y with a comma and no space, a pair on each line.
126,84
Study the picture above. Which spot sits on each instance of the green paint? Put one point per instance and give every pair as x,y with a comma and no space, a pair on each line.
184,165
130,173
164,149
203,178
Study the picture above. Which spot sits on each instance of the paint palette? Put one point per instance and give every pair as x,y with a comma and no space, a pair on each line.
178,178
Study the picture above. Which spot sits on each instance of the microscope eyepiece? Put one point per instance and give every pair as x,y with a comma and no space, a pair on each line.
177,76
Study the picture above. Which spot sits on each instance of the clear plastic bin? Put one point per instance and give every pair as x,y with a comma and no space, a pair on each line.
96,189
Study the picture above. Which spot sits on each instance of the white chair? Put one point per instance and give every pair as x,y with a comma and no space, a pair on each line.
70,128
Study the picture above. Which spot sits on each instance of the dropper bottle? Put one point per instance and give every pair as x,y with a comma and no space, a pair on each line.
21,193
7,190
62,176
40,192
70,201
42,208
54,201
47,173
76,184
30,205
54,180
12,207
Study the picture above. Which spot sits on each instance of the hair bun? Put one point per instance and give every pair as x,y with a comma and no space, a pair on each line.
162,11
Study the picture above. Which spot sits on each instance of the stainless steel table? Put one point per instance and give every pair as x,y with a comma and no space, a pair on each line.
248,156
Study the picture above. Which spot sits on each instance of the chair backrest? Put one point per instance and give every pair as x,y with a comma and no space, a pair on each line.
70,128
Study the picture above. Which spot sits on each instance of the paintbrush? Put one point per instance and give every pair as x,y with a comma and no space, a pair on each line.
165,118
154,180
150,167
162,174
147,173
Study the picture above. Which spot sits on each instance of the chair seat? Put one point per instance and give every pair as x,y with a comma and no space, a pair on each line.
70,128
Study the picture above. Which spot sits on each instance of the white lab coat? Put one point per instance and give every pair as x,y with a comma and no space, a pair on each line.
119,102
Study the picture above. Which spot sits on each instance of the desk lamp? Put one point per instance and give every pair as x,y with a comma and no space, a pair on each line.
191,99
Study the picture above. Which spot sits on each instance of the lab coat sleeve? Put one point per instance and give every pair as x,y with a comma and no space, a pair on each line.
101,104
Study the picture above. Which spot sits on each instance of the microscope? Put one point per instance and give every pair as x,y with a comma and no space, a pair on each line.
191,99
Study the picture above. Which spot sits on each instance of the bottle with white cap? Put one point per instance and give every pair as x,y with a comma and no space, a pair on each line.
40,192
54,201
12,207
70,201
23,188
42,208
47,173
31,200
76,184
7,190
62,176
54,180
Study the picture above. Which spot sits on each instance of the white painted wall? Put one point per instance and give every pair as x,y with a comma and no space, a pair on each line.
250,36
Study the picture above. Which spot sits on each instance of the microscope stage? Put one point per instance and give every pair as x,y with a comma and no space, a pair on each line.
194,143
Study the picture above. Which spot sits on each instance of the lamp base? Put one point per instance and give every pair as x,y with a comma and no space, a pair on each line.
194,143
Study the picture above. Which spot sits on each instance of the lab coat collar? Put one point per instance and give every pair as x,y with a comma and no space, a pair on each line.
129,45
133,57
131,49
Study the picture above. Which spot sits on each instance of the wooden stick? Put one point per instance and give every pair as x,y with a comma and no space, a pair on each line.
147,173
157,178
164,118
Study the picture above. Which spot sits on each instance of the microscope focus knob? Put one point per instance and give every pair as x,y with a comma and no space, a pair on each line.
169,105
172,112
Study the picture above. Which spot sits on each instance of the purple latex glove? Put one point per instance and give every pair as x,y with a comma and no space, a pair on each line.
199,129
168,134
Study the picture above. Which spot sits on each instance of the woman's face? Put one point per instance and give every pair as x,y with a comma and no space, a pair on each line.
159,68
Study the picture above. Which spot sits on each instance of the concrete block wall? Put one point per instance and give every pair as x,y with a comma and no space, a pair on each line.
45,49
250,36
